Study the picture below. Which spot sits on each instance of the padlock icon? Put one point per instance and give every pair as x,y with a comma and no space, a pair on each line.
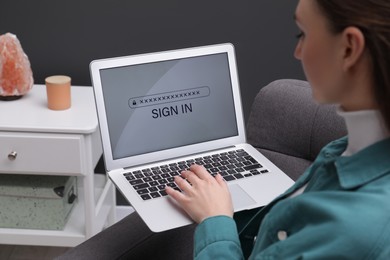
134,103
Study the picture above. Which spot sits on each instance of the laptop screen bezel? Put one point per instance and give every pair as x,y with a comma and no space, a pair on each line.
132,161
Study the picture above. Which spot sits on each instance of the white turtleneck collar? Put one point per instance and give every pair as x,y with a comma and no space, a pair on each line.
365,128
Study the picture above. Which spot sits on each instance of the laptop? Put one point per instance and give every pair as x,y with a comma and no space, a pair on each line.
159,113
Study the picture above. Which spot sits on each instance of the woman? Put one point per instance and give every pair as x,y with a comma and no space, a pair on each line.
340,207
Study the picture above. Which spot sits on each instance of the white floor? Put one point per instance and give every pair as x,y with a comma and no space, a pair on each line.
12,252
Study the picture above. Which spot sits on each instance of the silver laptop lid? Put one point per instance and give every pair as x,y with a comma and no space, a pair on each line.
163,105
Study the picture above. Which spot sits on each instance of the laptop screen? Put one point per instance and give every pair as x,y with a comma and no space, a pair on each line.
162,105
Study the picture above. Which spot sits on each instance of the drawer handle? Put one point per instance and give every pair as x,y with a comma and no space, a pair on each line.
12,155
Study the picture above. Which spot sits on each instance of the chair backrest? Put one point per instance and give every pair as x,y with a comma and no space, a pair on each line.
285,119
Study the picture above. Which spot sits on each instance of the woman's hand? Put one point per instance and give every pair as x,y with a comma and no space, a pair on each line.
205,197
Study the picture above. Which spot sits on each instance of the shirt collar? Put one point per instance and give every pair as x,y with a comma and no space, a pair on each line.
365,127
375,160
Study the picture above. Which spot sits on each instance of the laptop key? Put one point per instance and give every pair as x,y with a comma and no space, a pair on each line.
231,171
163,181
174,168
183,167
264,171
208,161
130,177
230,166
172,185
232,161
135,182
229,178
252,167
238,176
141,186
153,183
163,193
145,197
224,158
165,175
147,179
216,164
156,172
239,165
138,176
156,177
143,191
153,189
155,195
240,169
148,174
209,166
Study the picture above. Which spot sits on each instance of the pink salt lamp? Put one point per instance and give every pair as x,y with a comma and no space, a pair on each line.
16,77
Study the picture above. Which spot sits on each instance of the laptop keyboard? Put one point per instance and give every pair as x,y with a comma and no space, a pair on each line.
150,182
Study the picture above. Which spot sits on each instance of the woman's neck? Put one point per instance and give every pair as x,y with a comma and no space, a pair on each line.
365,127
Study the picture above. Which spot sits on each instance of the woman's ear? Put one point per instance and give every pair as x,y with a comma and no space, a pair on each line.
353,47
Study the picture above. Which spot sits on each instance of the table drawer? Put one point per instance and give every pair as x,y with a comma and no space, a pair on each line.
40,153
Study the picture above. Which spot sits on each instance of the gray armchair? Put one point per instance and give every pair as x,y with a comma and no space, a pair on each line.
285,124
289,127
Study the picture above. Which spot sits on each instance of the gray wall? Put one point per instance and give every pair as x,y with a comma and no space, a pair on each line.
62,37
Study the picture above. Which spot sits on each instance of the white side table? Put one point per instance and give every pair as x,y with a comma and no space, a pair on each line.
47,142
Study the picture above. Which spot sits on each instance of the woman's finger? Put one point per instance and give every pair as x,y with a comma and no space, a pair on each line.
182,184
177,195
191,177
220,179
200,171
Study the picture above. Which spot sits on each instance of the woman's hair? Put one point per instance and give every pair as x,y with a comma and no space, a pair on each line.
372,17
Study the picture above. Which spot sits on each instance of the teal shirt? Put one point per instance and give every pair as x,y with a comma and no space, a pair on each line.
344,213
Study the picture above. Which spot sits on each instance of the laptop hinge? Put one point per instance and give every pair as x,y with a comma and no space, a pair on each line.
177,158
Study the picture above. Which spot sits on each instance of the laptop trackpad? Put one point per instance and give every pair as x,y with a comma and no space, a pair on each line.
241,199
